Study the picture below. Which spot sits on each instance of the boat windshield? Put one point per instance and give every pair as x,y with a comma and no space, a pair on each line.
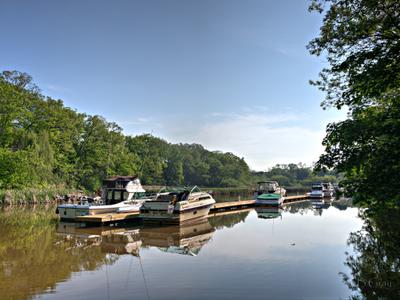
317,187
267,186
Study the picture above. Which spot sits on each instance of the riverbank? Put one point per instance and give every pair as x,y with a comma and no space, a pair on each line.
36,195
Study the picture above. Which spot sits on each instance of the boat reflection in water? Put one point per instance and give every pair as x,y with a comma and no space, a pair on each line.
109,240
125,242
184,239
269,212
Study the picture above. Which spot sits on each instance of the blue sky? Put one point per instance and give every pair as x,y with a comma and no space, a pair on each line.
231,75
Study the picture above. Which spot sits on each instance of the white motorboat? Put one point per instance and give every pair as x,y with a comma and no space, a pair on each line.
317,191
132,188
269,193
328,189
178,207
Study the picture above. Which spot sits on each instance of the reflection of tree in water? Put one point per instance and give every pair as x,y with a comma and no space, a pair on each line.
342,204
307,206
228,220
33,259
298,208
375,264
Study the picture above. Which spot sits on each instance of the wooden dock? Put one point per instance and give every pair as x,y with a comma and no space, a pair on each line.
108,218
217,207
295,198
228,212
232,205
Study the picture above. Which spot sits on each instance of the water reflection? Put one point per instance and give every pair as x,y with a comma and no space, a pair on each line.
228,219
186,240
375,262
108,239
269,212
232,255
33,259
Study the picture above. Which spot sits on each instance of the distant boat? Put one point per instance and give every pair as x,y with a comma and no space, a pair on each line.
178,207
128,189
317,191
269,193
328,189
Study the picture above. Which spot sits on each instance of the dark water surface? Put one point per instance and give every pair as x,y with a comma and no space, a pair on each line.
296,253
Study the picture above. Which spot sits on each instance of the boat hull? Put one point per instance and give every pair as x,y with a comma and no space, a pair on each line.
269,199
177,216
70,212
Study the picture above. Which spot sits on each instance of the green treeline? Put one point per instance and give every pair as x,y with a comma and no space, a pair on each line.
296,175
45,144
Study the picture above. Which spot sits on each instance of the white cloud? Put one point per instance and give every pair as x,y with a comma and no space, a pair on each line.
263,139
263,145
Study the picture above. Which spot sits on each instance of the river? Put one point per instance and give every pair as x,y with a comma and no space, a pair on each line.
298,252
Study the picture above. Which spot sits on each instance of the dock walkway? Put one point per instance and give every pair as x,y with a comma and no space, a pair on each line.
217,207
108,218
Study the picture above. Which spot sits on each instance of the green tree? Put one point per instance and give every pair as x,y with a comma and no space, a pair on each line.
361,39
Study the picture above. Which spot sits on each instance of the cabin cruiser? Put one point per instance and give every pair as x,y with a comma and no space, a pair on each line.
178,207
132,190
269,193
317,191
328,189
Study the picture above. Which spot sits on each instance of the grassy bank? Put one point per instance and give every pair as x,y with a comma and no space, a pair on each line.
33,195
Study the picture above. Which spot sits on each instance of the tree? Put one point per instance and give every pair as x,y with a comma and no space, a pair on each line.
361,39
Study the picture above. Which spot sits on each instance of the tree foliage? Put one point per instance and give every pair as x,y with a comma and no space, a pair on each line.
44,143
361,39
296,175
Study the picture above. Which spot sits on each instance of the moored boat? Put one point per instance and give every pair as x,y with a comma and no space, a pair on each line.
328,189
132,188
269,193
317,191
178,207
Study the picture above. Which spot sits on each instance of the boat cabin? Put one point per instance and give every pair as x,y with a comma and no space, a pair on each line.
317,187
116,189
327,185
267,186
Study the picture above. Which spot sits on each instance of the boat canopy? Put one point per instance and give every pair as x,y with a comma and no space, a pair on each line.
270,186
316,187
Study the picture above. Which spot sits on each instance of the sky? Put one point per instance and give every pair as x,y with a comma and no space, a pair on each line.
230,75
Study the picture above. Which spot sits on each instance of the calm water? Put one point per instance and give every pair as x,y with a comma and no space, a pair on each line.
296,253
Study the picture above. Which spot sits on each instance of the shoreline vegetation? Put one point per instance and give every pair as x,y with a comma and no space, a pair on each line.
26,196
